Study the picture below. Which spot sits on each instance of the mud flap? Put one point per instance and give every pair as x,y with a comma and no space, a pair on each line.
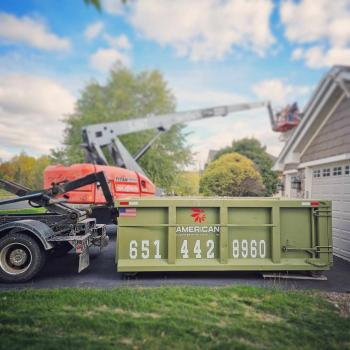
84,260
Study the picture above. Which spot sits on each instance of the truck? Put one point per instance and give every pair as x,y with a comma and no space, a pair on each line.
29,237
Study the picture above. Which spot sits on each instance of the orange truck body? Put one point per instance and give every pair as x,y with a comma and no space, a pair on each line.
122,182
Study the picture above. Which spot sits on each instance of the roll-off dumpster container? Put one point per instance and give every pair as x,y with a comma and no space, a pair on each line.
207,234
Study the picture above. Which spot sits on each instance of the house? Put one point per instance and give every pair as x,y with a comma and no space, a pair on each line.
315,161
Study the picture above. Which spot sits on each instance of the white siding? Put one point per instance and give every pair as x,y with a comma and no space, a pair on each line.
337,189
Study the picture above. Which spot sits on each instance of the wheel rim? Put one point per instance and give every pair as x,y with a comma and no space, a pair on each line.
15,258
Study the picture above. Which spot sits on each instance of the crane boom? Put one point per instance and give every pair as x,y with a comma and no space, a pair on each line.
101,135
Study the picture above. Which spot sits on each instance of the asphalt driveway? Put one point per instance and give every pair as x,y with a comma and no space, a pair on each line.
62,272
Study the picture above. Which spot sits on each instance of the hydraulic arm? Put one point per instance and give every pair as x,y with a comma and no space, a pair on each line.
106,135
46,197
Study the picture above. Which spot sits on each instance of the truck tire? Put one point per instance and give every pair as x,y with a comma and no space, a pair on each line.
21,257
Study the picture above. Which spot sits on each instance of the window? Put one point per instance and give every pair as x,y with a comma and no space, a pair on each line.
337,171
326,172
347,170
317,173
296,183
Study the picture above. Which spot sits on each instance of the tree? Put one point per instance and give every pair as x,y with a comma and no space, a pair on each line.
253,149
97,3
125,96
231,175
186,184
25,170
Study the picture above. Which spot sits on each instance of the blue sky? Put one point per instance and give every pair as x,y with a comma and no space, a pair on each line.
211,52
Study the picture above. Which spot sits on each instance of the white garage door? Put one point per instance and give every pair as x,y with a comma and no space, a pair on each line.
332,181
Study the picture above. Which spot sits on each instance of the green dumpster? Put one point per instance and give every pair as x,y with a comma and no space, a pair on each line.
217,234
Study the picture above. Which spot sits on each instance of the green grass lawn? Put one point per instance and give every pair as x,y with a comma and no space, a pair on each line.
4,194
23,211
172,318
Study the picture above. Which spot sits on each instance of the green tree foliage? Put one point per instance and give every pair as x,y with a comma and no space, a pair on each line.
186,184
125,96
253,149
231,175
97,3
25,170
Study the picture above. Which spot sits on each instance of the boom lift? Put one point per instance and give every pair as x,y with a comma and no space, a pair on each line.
126,177
101,136
285,119
106,135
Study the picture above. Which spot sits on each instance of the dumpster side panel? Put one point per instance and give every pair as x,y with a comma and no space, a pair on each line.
250,233
174,234
139,242
192,243
295,231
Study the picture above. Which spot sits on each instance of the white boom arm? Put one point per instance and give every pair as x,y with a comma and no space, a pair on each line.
101,135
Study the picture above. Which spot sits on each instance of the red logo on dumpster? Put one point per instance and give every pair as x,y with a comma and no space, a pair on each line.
198,215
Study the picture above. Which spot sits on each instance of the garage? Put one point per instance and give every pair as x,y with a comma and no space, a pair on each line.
332,181
315,161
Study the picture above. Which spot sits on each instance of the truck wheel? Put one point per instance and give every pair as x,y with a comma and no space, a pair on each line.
21,257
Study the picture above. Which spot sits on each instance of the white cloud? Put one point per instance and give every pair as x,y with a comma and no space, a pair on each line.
279,92
113,7
198,87
104,59
205,29
314,57
318,57
297,54
31,32
120,41
195,98
5,155
93,30
31,111
323,24
309,21
338,56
